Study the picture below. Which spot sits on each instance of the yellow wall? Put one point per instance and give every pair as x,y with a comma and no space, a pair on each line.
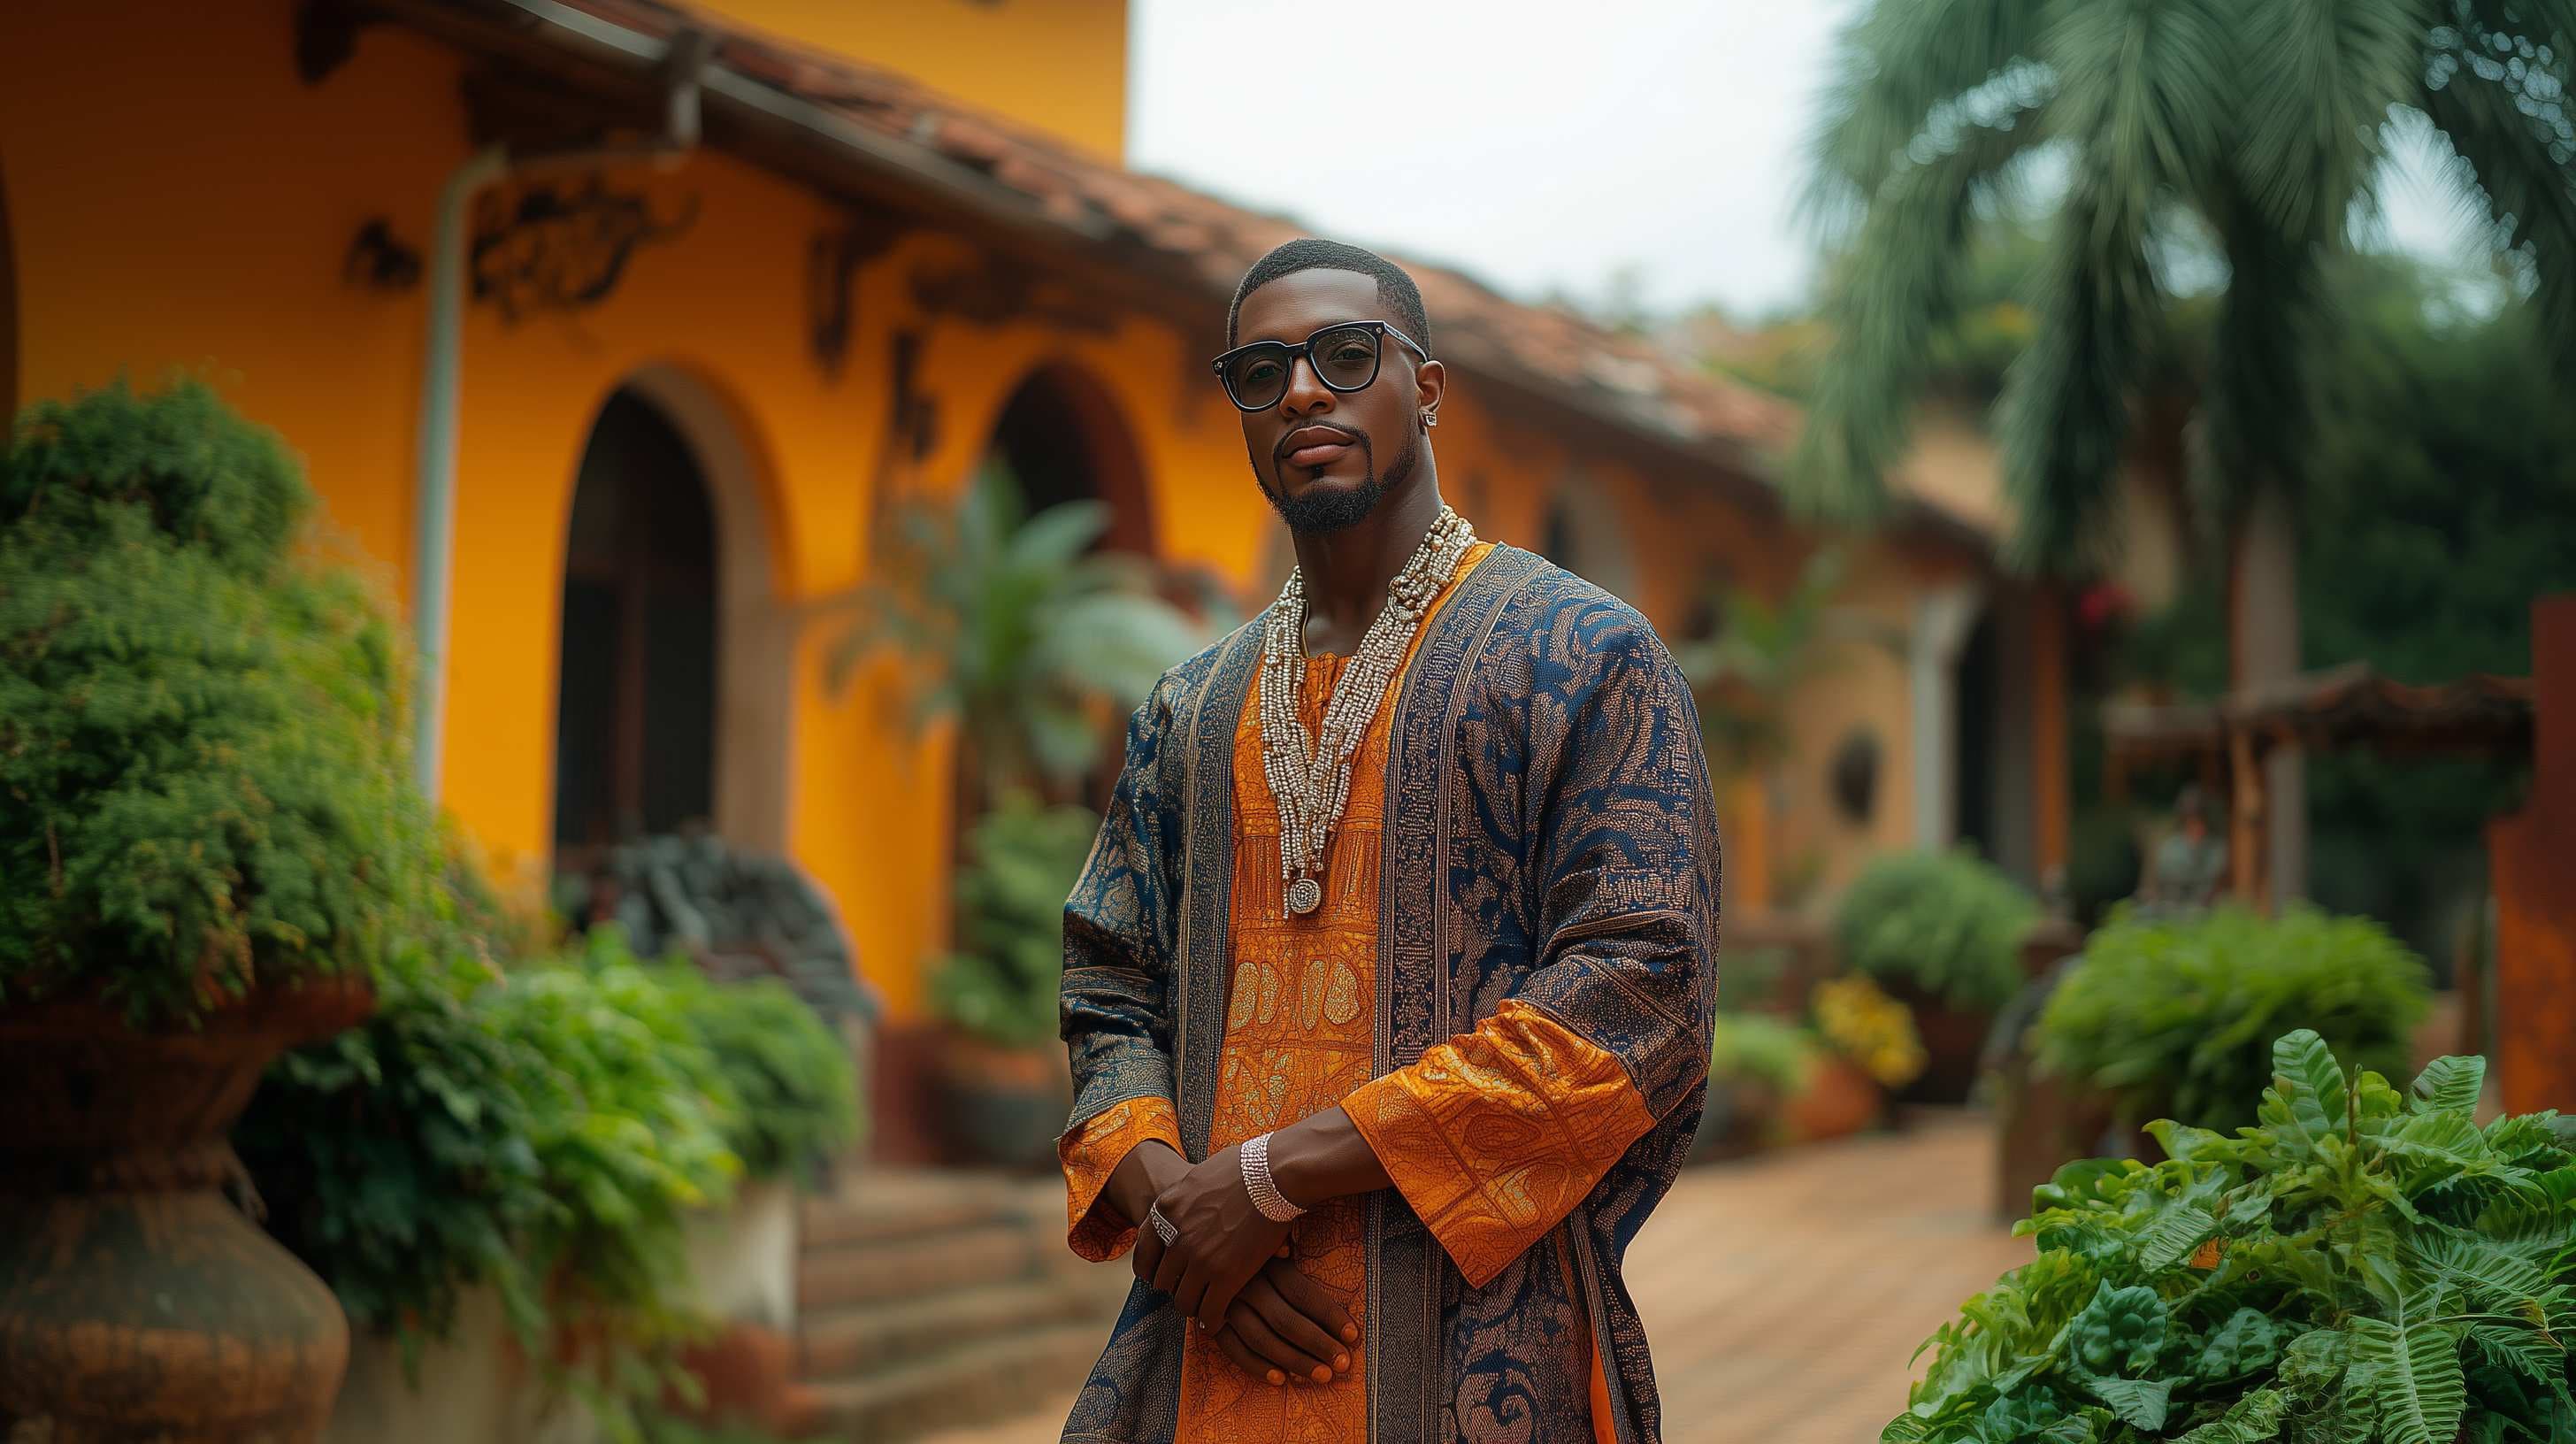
1059,65
179,200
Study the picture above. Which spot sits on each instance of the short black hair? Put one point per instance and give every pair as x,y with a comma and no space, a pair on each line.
1395,289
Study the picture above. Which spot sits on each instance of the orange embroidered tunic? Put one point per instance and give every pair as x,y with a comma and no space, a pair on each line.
1491,1137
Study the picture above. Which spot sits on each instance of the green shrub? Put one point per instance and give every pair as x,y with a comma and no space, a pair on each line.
2172,1018
2355,1266
1769,1053
1004,981
203,736
796,1092
1949,923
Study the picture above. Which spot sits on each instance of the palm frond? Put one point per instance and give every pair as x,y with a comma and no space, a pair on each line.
2143,89
2505,115
1888,299
2320,76
1907,68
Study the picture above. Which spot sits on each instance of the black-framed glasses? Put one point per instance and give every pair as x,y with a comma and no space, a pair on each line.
1345,356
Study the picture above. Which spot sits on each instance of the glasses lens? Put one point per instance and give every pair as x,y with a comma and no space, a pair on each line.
1258,375
1346,357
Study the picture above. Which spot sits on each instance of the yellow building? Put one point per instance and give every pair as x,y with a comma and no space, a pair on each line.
726,278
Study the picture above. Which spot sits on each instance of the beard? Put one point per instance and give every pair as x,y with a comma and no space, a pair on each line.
1330,511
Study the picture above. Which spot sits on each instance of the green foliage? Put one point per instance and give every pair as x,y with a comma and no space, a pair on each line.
397,1160
796,1093
1004,981
1770,1053
1745,674
1948,921
2171,1017
2360,1265
203,738
2225,141
1014,625
547,1135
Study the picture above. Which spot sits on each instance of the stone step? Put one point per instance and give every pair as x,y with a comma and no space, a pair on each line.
975,1383
865,1340
961,1258
884,1207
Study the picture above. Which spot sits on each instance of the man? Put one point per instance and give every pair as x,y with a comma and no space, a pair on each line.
1390,980
2189,872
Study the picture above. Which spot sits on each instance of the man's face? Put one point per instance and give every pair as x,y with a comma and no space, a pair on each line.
1325,457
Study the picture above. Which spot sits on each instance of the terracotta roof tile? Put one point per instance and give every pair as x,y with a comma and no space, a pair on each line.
1627,377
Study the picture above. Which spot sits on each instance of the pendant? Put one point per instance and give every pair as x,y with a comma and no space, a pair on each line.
1304,896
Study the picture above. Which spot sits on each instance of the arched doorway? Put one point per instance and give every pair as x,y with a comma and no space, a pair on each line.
1061,439
635,743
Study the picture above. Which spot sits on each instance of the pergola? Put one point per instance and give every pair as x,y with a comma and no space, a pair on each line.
2224,742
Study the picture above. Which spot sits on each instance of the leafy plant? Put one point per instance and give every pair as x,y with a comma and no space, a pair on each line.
1770,1053
2358,1265
1016,627
796,1094
2170,1017
1948,922
1003,982
203,733
1870,1028
1745,672
397,1160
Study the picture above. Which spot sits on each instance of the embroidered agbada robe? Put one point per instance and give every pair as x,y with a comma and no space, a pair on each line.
1539,734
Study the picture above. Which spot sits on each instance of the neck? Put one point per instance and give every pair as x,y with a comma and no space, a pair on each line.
1347,571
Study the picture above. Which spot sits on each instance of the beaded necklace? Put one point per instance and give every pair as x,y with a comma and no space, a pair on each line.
1310,776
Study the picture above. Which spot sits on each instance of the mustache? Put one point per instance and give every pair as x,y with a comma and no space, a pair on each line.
1279,453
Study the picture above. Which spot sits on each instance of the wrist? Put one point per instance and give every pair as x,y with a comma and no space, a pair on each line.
1291,1167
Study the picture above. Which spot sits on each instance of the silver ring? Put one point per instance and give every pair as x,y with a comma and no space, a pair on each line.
1163,1228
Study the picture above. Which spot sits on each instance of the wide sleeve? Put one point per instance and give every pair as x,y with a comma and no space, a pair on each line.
1115,1008
1495,1135
1091,1151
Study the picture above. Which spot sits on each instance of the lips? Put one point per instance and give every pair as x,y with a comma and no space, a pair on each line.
1314,446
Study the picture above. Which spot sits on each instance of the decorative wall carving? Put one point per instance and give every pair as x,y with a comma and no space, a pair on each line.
548,247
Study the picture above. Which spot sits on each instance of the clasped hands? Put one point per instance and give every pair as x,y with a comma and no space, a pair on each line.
1227,1267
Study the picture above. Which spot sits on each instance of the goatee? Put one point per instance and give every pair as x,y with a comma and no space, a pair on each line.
1317,512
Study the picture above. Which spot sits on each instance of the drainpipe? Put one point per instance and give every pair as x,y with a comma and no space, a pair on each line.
434,520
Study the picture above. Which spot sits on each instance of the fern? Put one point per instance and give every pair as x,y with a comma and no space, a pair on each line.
2415,1378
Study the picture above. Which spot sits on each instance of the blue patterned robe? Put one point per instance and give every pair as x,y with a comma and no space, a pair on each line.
1550,836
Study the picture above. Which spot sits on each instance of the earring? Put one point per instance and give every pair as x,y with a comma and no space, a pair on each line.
1430,416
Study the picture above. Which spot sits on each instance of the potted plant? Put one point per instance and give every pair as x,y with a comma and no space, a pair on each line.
2354,1264
1004,1083
2168,1017
1757,1064
1871,1052
214,849
1942,932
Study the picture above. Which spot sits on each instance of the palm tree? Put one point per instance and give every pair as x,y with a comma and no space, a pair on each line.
1015,626
2253,128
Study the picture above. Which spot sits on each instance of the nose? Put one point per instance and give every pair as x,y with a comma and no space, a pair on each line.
1306,395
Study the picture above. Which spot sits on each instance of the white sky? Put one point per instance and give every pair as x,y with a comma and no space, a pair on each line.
1540,145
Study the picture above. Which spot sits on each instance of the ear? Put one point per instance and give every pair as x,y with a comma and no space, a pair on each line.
1430,383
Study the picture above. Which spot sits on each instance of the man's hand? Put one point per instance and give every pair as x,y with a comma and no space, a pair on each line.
1223,1240
1148,1168
1284,1326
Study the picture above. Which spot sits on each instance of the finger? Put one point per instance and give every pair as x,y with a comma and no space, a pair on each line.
1218,1299
1314,1301
1149,1253
1267,1342
1189,1289
1314,1340
1169,1268
1234,1348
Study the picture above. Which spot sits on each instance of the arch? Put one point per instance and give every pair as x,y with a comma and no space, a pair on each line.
1064,438
718,656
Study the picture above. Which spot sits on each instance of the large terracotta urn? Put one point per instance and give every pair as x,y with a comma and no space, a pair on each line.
137,1303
